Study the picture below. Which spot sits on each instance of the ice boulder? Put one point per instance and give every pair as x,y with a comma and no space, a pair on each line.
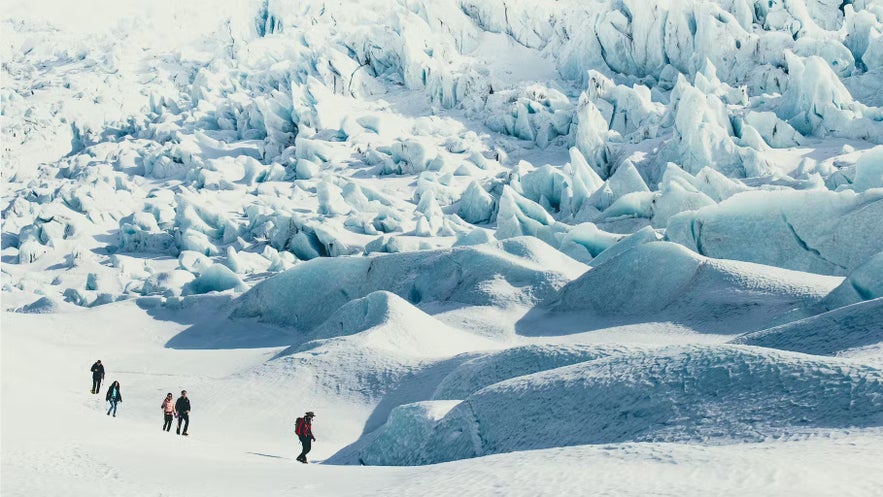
307,294
663,281
831,333
216,278
702,394
407,429
815,230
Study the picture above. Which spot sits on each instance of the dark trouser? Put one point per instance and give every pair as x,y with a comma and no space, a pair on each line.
186,419
96,384
168,422
307,442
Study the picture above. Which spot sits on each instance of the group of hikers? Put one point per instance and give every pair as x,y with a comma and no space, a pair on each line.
303,426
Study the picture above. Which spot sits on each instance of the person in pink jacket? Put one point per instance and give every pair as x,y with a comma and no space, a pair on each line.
168,410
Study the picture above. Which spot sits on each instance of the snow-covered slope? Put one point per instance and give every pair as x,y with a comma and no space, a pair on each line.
832,333
692,394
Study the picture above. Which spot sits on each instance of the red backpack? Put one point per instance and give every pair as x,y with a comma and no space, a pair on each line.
299,427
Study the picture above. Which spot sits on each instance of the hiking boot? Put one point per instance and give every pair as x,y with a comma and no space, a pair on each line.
178,431
185,434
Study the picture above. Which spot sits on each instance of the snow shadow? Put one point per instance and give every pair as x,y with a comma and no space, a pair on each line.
209,324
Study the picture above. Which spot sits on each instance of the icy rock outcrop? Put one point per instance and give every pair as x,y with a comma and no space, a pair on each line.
476,205
703,136
584,182
775,132
519,216
625,180
817,103
816,231
665,281
536,113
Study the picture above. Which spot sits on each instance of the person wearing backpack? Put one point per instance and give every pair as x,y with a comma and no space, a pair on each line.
97,375
168,410
303,427
113,396
182,407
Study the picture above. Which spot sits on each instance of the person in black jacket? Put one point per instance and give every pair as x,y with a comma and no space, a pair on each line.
97,376
113,396
182,405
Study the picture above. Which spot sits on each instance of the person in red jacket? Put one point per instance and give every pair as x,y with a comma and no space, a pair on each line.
304,430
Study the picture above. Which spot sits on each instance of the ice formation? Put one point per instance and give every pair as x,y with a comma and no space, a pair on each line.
448,215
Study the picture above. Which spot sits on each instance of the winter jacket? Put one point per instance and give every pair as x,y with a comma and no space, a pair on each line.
110,393
304,429
182,405
168,406
97,371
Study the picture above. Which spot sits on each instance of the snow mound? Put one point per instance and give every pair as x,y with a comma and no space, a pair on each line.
475,374
45,305
661,281
385,323
831,333
815,231
513,272
707,394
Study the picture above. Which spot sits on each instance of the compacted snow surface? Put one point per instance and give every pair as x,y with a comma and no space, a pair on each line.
500,247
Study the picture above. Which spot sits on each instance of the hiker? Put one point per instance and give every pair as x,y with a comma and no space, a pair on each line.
113,396
168,410
182,407
304,430
97,376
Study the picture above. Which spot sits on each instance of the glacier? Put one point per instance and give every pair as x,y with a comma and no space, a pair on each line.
607,233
